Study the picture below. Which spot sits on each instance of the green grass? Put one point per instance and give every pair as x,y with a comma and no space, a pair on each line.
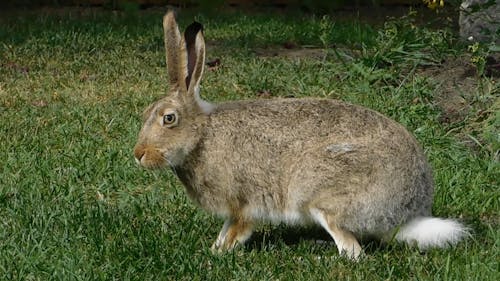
74,206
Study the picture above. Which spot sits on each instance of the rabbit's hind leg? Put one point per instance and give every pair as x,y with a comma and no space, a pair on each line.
346,243
233,232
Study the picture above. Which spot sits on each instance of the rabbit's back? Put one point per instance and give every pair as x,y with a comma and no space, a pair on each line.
279,156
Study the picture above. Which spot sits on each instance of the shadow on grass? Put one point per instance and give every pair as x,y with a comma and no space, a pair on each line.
294,236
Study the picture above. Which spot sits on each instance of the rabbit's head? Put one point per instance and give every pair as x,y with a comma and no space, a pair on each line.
172,125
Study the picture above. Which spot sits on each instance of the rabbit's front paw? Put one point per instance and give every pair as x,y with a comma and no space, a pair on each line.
233,232
350,249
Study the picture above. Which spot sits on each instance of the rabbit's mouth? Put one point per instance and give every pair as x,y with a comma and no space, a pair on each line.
149,158
153,158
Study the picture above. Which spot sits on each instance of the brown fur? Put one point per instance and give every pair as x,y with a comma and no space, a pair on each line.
345,167
274,156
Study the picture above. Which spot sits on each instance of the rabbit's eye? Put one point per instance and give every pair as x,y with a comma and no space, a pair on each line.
169,119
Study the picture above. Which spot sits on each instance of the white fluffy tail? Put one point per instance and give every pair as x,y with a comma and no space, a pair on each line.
428,232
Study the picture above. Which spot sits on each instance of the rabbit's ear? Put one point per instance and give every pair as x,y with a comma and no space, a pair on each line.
175,53
195,45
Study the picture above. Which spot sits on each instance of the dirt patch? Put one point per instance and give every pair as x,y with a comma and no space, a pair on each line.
456,80
458,86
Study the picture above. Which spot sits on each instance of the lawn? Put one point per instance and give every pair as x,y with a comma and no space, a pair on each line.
75,206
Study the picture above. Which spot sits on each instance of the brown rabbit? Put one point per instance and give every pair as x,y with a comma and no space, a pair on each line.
347,168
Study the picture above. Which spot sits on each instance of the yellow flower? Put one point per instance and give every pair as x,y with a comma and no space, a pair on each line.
433,4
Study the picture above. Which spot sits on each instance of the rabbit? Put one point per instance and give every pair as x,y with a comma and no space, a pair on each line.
298,161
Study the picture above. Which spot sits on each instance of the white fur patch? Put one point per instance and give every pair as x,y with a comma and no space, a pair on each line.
428,232
205,106
290,217
222,234
318,216
340,147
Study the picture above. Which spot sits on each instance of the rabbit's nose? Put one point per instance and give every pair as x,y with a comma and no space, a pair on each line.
139,152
